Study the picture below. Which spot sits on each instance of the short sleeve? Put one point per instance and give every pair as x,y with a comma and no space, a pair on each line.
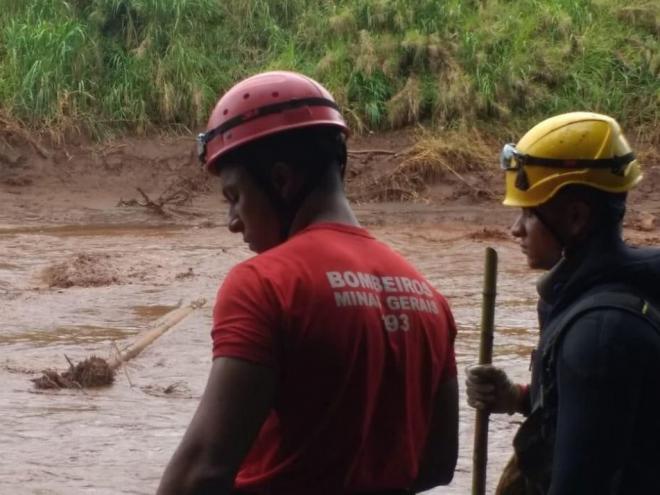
246,317
449,371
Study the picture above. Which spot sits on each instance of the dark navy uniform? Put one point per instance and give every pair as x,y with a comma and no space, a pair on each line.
595,393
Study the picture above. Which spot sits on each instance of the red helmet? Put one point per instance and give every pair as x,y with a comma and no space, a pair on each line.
262,105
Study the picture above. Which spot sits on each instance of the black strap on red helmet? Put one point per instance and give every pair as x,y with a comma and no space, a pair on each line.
204,138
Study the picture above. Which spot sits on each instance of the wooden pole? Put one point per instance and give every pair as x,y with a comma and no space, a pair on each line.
97,372
163,325
480,452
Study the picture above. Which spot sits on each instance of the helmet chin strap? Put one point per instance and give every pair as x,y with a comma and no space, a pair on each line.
286,210
563,244
289,210
569,245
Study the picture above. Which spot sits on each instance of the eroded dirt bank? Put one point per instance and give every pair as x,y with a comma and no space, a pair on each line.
87,261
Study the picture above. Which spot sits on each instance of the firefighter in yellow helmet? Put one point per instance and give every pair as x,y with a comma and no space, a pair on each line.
592,424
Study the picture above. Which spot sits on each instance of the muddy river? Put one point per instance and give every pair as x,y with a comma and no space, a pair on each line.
82,281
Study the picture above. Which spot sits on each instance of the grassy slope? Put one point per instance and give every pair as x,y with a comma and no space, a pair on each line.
104,65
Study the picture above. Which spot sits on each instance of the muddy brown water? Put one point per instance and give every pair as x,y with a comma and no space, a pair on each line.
117,440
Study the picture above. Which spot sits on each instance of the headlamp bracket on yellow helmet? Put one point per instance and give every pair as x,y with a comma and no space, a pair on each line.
511,159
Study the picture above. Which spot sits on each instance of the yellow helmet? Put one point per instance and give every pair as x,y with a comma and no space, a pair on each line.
572,148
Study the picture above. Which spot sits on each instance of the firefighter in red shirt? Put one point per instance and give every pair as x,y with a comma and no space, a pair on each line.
333,363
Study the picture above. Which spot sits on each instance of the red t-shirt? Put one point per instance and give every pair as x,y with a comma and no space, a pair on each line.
360,341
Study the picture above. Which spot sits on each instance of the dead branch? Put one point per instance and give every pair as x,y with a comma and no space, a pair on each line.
152,205
477,190
171,196
24,135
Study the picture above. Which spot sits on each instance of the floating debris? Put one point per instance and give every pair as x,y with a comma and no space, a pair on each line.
97,372
90,373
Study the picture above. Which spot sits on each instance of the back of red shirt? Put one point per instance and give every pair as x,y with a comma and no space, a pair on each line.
360,342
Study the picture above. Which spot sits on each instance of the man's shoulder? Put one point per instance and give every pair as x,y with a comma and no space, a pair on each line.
324,243
609,333
320,250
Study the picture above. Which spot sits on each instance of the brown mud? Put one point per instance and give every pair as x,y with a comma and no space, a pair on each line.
87,262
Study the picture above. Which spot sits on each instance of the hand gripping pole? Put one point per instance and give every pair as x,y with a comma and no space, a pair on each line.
480,452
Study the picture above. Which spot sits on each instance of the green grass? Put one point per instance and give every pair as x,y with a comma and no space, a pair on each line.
104,66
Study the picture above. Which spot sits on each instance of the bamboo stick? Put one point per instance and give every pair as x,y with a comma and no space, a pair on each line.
163,325
480,452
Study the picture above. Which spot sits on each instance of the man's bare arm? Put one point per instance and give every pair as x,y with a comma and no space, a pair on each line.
236,401
441,451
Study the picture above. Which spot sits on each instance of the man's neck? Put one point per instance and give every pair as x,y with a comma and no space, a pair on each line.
323,207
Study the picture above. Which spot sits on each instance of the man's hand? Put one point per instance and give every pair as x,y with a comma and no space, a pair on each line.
236,401
489,389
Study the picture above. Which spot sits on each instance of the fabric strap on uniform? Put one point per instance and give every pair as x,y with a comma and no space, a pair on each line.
549,227
609,298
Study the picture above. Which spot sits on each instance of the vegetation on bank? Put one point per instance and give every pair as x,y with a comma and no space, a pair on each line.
135,65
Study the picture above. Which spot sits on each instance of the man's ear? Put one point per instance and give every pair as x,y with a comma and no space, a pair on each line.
286,182
579,218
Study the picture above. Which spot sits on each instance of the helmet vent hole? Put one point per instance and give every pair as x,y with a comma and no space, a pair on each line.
276,94
246,96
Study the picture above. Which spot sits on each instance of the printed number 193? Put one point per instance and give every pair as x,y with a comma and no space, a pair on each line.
394,323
